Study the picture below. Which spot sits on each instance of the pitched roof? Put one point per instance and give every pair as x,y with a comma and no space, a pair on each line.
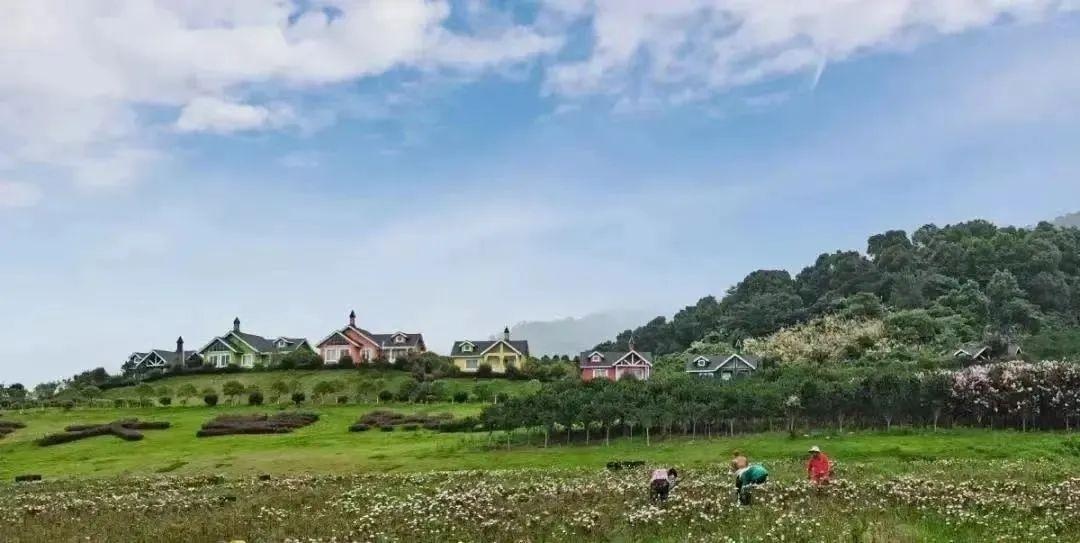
382,340
607,358
520,345
261,344
713,362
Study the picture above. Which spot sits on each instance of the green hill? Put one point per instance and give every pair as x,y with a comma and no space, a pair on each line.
933,289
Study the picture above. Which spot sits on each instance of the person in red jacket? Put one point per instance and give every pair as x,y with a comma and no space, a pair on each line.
818,467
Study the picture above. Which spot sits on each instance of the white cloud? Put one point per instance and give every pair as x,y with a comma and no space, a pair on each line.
77,77
18,194
669,48
210,114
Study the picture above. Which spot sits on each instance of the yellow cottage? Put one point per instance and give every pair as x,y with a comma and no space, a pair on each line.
469,355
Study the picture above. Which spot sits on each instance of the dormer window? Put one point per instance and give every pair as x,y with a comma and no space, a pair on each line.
466,348
596,358
702,362
399,339
282,343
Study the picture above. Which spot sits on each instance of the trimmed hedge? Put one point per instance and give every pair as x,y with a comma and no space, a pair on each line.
127,429
9,426
278,423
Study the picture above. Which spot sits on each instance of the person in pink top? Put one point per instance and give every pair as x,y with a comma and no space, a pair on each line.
661,483
818,467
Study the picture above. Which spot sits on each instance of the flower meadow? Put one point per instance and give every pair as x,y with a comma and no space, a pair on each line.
945,500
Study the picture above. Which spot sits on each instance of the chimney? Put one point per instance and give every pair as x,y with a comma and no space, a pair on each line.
352,318
179,362
236,324
506,334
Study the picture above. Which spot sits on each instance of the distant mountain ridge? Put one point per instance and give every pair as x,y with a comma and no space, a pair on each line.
1072,219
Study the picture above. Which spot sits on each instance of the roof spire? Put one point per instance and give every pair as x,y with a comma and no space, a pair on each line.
352,318
506,334
630,343
236,324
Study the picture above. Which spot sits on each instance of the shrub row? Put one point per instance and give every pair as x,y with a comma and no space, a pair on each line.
388,420
278,423
8,426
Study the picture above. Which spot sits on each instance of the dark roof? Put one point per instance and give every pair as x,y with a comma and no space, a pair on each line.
973,349
262,344
521,345
715,361
387,340
609,358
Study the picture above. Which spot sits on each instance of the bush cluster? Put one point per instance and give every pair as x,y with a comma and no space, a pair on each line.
127,429
388,420
278,423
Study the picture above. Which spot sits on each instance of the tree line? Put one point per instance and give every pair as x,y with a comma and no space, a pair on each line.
1021,395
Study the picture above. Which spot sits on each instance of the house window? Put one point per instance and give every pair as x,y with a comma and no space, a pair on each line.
399,339
472,364
596,358
726,376
701,362
510,360
219,360
599,373
332,356
248,361
368,355
466,348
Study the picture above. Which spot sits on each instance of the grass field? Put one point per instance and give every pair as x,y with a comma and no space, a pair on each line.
328,484
304,380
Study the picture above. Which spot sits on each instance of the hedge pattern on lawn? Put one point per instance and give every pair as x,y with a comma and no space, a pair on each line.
126,429
388,420
278,423
8,426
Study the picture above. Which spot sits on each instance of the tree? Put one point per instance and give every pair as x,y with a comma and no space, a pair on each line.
145,390
324,388
44,391
210,399
255,398
185,392
232,389
279,388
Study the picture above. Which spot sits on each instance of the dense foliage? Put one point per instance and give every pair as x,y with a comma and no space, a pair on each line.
1019,394
956,283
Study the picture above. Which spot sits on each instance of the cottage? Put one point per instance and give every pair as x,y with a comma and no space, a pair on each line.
982,352
469,355
362,346
725,366
246,350
615,365
159,359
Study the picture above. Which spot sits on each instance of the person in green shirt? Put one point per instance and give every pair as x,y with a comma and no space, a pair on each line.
748,477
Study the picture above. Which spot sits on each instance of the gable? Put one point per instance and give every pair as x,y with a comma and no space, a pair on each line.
633,358
337,338
503,348
218,344
736,362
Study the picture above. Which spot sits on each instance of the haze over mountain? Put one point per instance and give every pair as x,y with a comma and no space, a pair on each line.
1071,219
572,335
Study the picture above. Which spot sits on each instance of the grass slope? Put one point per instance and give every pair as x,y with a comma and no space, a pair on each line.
327,447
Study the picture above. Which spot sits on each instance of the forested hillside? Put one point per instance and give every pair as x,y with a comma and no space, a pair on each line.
936,287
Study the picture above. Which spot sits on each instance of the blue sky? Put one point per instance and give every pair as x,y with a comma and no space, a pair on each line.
451,168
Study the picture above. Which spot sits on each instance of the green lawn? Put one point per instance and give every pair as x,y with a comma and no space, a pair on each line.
327,447
305,380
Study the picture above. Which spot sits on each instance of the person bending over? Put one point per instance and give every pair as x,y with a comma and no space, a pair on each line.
661,483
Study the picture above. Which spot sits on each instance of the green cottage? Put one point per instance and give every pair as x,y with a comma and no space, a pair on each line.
246,350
